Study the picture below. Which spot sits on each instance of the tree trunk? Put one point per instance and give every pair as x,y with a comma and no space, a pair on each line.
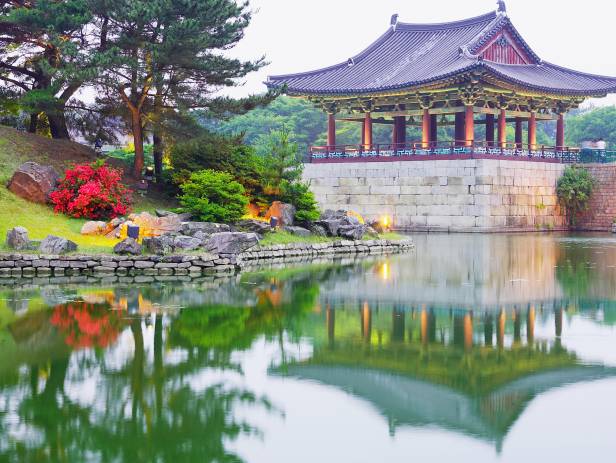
58,127
33,123
138,141
157,151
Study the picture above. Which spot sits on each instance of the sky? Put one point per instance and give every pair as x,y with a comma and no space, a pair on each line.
302,35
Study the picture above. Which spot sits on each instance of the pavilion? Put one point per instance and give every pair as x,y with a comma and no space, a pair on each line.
469,73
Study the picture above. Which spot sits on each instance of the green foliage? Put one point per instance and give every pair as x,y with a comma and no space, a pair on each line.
591,125
302,198
574,190
214,196
128,153
217,152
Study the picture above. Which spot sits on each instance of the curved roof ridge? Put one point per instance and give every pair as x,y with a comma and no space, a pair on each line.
579,73
447,25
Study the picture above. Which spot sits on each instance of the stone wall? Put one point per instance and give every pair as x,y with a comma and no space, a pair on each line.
602,207
447,195
151,267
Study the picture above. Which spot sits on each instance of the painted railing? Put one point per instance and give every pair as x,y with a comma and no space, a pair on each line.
442,150
597,156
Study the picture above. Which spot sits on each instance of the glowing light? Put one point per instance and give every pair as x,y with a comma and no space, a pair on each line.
357,216
385,271
386,222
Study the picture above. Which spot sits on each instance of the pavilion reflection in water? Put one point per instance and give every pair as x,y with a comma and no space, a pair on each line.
470,372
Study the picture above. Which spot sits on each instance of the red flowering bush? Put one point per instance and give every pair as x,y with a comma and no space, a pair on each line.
92,191
87,325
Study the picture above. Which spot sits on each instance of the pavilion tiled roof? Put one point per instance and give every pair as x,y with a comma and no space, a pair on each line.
411,55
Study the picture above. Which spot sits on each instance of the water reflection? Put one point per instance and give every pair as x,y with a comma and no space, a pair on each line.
462,336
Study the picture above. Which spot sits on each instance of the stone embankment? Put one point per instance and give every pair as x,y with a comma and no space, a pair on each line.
73,268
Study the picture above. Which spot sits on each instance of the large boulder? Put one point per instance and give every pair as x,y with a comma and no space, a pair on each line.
158,244
253,226
231,242
285,213
94,228
56,245
352,232
17,238
317,230
186,243
156,226
298,231
331,226
34,182
128,247
190,228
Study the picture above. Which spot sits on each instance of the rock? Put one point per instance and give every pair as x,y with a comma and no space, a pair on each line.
190,228
283,211
331,226
352,232
345,217
56,245
128,246
317,229
378,226
371,232
34,182
94,228
186,243
17,238
158,244
255,226
298,231
231,242
156,226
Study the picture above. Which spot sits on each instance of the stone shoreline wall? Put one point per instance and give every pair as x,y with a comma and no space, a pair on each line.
601,211
141,269
444,195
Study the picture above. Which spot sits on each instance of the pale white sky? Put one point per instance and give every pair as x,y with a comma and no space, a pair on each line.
301,35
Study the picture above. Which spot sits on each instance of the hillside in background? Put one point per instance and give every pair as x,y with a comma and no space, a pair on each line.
19,147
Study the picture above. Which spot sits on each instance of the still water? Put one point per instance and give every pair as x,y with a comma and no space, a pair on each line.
471,348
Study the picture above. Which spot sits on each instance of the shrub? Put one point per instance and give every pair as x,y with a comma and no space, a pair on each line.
302,198
214,196
93,191
574,190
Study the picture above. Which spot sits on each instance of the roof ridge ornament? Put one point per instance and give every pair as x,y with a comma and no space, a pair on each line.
502,8
393,22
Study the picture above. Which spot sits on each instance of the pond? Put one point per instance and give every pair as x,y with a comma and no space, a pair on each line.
471,348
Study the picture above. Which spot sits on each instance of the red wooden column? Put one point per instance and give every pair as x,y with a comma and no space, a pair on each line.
560,132
490,129
502,129
425,129
518,132
401,130
469,124
331,130
532,131
434,128
459,129
368,131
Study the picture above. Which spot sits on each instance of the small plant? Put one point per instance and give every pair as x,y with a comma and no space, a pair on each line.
302,198
92,191
214,196
574,190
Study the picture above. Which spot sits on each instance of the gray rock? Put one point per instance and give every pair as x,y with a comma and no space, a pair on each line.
190,228
231,242
284,212
158,244
186,243
33,182
298,231
17,238
317,229
128,246
253,226
331,226
56,245
352,232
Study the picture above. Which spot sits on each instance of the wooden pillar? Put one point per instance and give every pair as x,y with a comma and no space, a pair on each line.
532,131
490,129
530,325
434,128
500,329
366,322
469,124
397,333
425,129
399,132
331,130
502,129
468,331
558,322
459,128
518,132
367,139
560,132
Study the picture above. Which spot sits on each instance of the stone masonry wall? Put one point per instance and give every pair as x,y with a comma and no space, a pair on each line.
444,195
602,207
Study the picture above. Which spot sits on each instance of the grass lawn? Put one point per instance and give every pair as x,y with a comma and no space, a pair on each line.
40,220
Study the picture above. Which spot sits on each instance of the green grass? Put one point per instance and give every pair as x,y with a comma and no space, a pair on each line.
283,237
40,220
